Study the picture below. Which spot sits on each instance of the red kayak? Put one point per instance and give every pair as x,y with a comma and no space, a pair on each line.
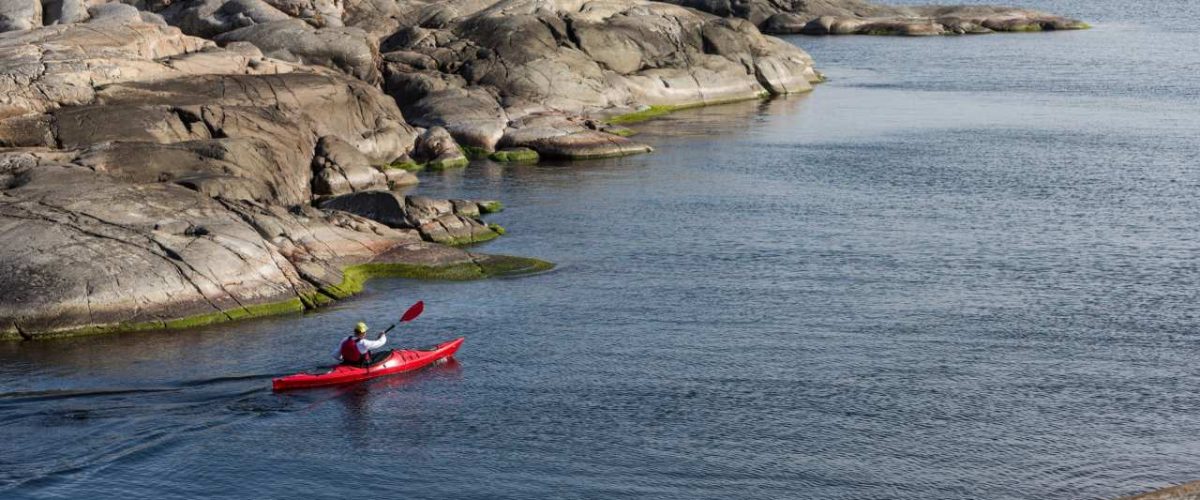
397,362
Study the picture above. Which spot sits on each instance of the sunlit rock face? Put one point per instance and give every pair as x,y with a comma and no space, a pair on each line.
149,176
477,68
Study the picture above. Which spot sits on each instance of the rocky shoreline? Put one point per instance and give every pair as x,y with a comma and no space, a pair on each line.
165,164
858,17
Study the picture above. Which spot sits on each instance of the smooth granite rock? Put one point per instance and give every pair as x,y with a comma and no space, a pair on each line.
16,15
150,179
476,68
339,168
437,150
347,49
209,18
451,222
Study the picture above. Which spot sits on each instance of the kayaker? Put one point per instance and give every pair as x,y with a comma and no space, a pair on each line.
356,349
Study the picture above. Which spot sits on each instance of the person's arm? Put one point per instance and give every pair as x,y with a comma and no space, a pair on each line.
337,353
365,345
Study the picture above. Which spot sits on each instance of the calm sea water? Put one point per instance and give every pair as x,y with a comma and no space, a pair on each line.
965,267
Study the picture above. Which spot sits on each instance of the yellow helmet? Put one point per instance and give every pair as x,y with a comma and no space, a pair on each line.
360,327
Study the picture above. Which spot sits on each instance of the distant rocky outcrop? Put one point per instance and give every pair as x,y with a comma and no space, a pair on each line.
488,70
858,17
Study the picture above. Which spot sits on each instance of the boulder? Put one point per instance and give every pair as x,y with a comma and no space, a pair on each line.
119,14
438,151
64,11
318,13
384,207
346,49
514,155
399,178
17,15
472,116
83,249
209,18
63,65
563,136
339,168
229,168
450,222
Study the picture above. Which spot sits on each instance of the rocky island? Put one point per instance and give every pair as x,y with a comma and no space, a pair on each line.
175,163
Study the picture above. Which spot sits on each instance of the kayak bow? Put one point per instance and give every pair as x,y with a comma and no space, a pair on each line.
398,361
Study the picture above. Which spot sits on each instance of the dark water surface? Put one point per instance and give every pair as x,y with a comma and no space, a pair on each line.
965,267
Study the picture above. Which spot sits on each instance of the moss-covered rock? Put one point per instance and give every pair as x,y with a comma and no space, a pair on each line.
292,305
397,178
495,266
643,114
621,131
407,165
490,207
474,153
483,266
514,155
441,164
477,234
353,278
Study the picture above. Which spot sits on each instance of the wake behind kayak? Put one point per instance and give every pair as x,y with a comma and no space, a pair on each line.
398,361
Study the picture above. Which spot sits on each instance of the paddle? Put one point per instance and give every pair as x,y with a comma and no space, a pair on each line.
409,315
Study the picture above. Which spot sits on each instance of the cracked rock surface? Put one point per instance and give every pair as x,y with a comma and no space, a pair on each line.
148,176
482,71
442,221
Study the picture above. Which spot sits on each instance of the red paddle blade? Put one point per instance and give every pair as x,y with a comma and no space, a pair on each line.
413,311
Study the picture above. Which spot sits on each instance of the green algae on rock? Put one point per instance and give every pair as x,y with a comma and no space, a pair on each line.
483,266
490,207
406,165
646,113
293,305
480,266
481,236
474,152
643,114
439,165
514,155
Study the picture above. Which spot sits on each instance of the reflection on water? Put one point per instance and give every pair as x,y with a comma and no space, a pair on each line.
357,401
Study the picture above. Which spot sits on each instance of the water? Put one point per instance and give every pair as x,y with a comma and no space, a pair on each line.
965,267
